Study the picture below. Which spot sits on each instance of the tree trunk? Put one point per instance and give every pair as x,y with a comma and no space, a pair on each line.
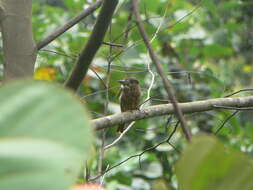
19,47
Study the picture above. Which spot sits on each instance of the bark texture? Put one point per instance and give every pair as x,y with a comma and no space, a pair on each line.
166,109
18,45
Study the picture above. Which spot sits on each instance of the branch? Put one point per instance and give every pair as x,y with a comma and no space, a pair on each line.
93,44
69,24
167,84
120,136
166,109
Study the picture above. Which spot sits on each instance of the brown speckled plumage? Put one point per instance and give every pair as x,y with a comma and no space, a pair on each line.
129,97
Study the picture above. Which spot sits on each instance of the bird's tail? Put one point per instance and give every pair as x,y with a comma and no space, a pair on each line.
122,127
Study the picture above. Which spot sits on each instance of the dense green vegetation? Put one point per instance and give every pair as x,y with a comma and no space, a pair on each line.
207,43
205,48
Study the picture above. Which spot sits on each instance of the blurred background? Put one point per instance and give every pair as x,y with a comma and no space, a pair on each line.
206,50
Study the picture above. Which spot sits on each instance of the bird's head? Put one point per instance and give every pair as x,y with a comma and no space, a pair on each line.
129,82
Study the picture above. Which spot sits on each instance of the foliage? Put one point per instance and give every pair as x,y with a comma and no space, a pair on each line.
206,50
42,129
211,165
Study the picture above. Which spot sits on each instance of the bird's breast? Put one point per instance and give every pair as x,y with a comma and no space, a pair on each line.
129,99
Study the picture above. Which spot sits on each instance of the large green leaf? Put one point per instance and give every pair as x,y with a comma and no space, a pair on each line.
216,50
208,165
32,164
45,136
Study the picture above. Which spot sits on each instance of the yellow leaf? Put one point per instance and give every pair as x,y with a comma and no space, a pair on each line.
247,68
45,73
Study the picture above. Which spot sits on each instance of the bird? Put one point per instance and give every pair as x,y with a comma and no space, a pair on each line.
129,97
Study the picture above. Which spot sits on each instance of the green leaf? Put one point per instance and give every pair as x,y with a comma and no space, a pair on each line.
31,164
216,50
207,164
45,136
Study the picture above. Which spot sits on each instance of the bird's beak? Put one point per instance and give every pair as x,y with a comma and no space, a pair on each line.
122,82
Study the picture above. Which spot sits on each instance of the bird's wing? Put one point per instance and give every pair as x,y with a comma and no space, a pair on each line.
119,93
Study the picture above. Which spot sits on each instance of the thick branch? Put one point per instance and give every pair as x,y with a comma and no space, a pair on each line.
166,109
18,45
167,84
69,24
92,45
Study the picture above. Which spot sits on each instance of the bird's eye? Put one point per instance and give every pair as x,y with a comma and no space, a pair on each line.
127,82
135,81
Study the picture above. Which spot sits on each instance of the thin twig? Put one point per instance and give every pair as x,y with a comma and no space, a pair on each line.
239,91
175,148
125,49
69,24
151,83
108,78
233,108
166,82
99,92
148,63
120,136
226,120
170,26
74,57
128,25
103,177
161,23
102,81
59,53
113,44
129,72
140,154
157,145
101,154
185,16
